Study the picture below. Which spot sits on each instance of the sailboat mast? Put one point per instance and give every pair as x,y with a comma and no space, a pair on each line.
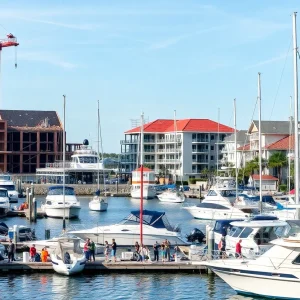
142,179
217,143
98,150
235,153
259,143
295,52
175,144
64,161
290,136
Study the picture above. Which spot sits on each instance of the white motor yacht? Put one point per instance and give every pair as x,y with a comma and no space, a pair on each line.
274,274
68,257
219,203
6,182
172,196
58,205
4,202
156,227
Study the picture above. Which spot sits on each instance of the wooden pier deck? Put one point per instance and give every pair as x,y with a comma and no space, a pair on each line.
25,213
99,266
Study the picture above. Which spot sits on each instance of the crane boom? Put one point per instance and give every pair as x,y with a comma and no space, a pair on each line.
10,41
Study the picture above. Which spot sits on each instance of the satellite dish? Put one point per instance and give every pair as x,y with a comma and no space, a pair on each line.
85,142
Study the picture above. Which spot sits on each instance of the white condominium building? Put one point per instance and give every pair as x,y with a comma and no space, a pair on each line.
183,150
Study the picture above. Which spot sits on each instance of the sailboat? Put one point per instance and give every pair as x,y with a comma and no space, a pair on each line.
61,201
174,195
99,203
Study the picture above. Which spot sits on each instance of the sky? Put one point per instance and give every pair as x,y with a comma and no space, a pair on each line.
154,57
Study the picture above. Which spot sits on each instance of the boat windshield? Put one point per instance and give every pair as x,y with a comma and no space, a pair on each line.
153,218
87,159
9,187
227,193
292,228
3,193
5,177
54,191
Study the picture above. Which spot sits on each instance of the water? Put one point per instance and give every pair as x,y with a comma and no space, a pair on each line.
115,286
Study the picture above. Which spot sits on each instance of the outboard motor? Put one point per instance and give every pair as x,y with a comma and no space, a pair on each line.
3,228
196,235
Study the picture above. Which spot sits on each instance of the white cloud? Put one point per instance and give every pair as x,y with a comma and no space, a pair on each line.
267,61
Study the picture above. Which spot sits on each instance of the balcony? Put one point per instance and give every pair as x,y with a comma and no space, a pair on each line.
169,150
199,150
254,136
200,140
170,140
129,142
200,161
149,161
169,160
128,161
149,141
149,150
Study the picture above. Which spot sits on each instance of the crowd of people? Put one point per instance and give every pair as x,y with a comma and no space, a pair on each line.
38,257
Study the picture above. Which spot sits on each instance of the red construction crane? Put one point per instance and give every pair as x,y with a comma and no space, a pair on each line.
10,41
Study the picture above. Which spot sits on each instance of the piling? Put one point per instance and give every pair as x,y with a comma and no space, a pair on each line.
47,234
34,210
210,243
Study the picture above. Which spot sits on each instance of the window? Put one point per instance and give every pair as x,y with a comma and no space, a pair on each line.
212,157
211,193
246,232
212,137
237,231
212,148
296,261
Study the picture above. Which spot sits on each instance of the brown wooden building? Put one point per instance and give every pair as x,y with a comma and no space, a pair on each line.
29,139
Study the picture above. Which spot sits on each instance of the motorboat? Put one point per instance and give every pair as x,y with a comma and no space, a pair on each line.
23,233
255,233
274,274
172,196
149,190
7,183
58,205
4,202
156,227
98,203
219,203
68,257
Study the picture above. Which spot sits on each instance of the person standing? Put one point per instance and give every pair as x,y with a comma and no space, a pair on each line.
92,250
238,249
114,250
86,249
163,251
106,250
44,255
168,247
32,253
155,250
11,248
137,251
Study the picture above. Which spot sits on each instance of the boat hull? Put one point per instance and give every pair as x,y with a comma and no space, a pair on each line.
98,205
61,212
274,286
67,269
171,198
213,214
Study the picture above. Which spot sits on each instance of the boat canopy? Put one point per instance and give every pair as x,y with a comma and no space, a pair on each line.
58,190
152,218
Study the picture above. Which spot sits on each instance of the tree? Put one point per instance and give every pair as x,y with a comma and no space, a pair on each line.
253,165
163,173
278,160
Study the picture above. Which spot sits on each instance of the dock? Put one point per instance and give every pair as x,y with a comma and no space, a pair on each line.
100,266
25,213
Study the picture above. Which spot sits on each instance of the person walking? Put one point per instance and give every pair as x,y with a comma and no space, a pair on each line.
32,253
222,247
114,250
106,250
155,250
86,249
11,248
92,249
238,249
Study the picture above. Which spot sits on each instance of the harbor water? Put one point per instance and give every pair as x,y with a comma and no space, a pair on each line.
115,286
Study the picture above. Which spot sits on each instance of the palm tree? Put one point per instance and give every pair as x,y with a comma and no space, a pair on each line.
278,160
253,165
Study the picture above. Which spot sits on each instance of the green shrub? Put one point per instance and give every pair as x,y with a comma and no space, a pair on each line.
282,187
193,180
184,182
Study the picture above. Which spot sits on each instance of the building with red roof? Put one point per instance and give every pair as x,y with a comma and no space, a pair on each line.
184,148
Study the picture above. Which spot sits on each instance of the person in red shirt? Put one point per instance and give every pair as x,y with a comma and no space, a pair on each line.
238,249
32,253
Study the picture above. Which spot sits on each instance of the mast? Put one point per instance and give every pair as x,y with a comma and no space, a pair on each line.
235,153
296,160
259,143
217,144
142,179
289,155
64,161
98,175
175,143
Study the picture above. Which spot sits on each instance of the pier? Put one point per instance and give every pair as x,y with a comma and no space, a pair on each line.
100,266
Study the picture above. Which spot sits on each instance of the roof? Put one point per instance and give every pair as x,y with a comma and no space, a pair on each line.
145,169
244,148
29,118
241,136
272,127
263,177
283,144
186,125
